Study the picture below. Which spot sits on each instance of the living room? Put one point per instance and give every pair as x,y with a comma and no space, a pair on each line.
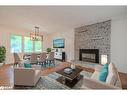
98,32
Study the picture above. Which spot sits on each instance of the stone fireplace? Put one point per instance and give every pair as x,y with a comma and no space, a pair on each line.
92,41
89,55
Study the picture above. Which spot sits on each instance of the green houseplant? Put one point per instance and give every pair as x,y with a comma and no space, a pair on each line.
48,50
2,54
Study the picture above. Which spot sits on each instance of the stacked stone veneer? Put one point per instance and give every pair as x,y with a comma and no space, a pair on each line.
94,36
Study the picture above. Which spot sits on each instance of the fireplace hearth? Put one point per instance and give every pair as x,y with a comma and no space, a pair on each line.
89,55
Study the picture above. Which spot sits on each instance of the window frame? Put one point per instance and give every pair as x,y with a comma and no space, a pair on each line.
35,47
23,44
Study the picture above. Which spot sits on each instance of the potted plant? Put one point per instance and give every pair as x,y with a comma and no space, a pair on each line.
48,50
2,55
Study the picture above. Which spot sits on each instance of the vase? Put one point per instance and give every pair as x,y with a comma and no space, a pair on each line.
72,66
1,64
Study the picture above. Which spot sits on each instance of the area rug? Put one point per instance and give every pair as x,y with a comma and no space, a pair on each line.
49,82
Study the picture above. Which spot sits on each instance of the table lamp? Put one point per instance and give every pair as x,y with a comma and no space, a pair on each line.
103,59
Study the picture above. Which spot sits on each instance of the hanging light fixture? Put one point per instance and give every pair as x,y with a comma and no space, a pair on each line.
36,36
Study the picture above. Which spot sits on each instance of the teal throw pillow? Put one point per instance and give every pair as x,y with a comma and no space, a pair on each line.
106,66
103,74
26,65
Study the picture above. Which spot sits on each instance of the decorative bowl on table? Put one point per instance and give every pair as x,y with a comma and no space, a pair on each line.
68,70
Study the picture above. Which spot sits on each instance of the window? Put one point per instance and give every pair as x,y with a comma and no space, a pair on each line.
28,44
16,44
38,46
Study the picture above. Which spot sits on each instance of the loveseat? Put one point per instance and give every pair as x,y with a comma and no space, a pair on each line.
112,81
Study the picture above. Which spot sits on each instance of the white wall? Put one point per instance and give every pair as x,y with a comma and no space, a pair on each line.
69,42
46,42
119,44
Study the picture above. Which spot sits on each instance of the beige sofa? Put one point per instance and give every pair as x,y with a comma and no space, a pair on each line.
26,76
112,81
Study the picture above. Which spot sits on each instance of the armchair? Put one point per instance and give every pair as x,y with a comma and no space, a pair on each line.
26,76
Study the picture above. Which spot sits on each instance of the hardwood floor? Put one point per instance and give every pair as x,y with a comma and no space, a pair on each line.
123,78
6,74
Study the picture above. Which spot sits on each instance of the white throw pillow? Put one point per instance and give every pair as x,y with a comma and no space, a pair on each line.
112,74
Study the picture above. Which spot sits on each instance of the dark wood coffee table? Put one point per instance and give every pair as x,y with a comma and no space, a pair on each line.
69,79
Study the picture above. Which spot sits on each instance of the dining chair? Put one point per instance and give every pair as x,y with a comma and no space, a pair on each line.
51,58
33,58
42,59
17,60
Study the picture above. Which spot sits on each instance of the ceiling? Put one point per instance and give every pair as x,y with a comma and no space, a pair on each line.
57,18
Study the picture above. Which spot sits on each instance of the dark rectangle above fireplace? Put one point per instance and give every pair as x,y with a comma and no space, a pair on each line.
89,55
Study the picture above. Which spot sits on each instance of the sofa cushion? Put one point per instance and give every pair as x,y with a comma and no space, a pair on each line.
103,74
112,76
89,83
37,72
95,75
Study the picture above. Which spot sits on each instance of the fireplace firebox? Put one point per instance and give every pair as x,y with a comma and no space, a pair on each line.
89,55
